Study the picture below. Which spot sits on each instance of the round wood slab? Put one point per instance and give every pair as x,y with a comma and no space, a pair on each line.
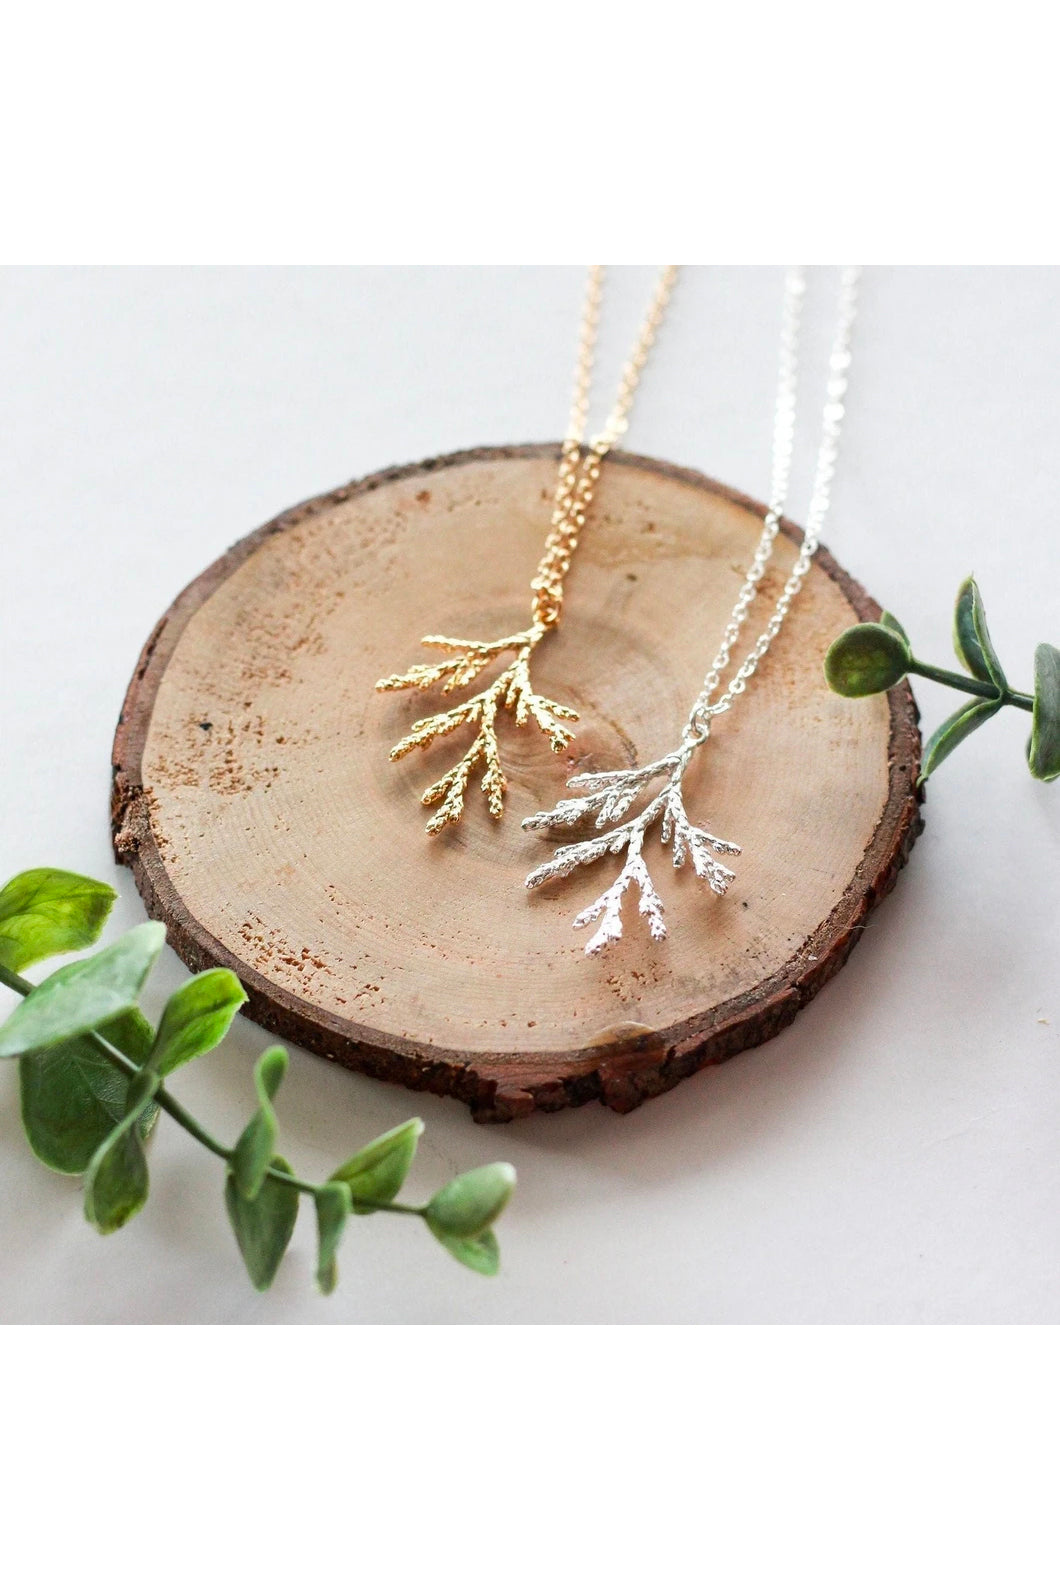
254,800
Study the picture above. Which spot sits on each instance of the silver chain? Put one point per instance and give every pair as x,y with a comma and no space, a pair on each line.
783,451
608,796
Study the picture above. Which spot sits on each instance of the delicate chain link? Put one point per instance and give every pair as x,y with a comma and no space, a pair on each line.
577,477
783,450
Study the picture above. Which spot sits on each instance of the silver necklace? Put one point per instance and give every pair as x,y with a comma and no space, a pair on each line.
608,796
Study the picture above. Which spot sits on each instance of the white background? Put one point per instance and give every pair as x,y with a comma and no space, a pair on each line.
890,1158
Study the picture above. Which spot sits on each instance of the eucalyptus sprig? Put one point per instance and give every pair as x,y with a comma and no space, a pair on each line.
870,658
93,1070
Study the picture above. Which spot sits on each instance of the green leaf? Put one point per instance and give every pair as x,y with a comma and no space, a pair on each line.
481,1253
84,994
196,1018
263,1225
116,1181
132,1033
1043,748
971,638
252,1155
889,621
333,1208
73,1096
116,1185
948,736
377,1173
47,912
470,1203
865,660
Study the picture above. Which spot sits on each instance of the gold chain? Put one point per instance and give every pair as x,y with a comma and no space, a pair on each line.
512,690
575,486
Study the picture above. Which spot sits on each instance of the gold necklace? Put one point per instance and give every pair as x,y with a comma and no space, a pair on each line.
512,690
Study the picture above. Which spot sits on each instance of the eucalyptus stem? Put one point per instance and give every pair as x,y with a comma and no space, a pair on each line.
176,1111
91,1073
973,687
14,981
870,658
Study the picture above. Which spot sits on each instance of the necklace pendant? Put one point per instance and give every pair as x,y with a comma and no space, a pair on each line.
607,797
511,691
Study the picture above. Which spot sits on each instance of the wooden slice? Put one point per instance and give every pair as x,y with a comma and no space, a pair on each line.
255,802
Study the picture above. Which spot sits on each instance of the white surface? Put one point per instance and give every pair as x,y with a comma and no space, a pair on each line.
891,1157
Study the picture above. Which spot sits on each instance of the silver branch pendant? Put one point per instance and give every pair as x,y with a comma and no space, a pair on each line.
608,796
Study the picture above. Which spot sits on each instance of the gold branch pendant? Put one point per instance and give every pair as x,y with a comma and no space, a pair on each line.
511,691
